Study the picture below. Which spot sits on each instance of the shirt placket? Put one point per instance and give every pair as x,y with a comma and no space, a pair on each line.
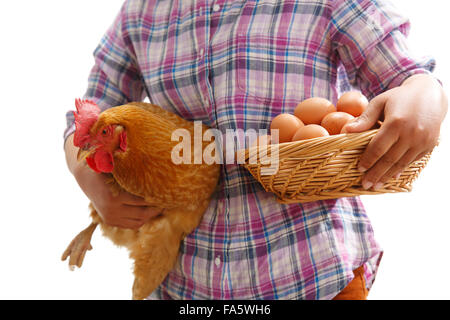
202,40
202,33
217,9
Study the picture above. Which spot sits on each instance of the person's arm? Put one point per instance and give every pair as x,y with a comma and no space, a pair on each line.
370,41
114,80
71,155
123,210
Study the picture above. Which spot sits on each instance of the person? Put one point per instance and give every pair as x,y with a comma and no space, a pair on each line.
236,65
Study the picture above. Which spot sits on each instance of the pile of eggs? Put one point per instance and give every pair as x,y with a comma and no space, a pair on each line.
317,117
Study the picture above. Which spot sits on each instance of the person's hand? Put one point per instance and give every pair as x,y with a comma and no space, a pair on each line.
413,114
124,210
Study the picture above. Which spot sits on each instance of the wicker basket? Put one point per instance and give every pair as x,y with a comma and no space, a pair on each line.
322,168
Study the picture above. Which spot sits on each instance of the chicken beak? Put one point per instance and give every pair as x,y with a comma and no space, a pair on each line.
83,153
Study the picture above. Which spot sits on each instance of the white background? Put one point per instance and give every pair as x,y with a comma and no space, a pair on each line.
45,57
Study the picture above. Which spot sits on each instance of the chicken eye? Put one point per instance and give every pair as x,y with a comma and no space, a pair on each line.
104,131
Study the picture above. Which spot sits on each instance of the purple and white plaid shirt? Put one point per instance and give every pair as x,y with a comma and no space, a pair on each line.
236,64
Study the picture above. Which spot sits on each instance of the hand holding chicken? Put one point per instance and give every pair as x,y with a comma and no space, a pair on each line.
129,147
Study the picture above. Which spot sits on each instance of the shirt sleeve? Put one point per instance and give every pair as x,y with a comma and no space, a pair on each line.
369,39
115,78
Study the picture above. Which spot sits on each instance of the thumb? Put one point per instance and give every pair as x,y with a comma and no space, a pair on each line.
369,117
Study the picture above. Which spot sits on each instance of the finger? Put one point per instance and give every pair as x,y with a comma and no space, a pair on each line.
369,117
377,148
131,223
125,224
408,158
421,155
139,207
389,162
151,212
131,199
122,215
138,212
146,214
397,174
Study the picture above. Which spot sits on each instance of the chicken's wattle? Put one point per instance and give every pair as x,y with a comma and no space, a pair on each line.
101,161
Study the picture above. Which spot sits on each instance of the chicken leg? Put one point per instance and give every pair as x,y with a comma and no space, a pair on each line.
78,247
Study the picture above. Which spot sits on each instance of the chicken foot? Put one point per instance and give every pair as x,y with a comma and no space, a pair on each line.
79,246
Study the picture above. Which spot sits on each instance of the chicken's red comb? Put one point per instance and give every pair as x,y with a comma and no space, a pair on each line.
85,116
85,107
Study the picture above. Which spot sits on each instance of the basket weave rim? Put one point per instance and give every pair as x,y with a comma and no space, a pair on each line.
321,168
316,146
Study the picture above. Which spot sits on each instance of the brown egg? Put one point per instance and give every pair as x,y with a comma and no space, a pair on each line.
310,131
287,124
353,102
335,121
262,141
313,110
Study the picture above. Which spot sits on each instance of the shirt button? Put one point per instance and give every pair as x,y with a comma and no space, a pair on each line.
217,261
216,8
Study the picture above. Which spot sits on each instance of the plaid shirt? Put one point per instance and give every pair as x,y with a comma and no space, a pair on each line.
236,65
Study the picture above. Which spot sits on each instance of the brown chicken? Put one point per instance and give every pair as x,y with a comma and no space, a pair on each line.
133,144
